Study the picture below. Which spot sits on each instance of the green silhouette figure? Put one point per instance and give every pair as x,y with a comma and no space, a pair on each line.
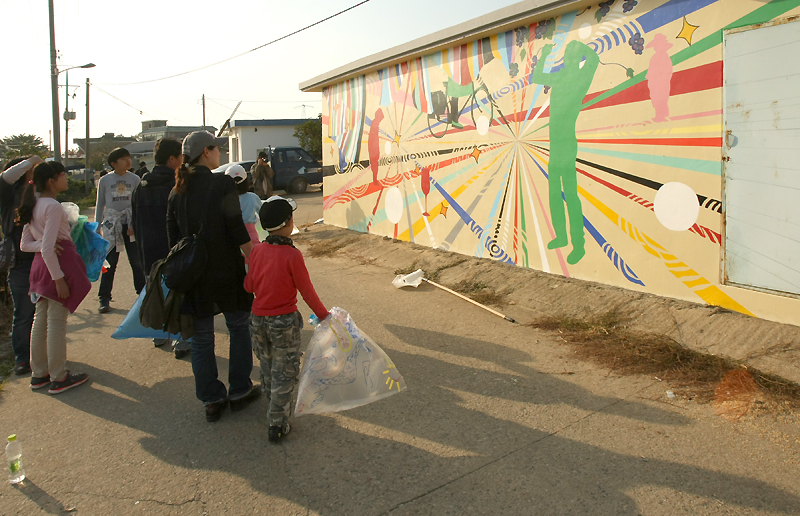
569,86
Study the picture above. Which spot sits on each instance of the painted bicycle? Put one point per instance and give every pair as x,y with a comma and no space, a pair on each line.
446,110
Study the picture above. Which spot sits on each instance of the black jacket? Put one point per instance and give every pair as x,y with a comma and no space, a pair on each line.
10,196
221,288
149,215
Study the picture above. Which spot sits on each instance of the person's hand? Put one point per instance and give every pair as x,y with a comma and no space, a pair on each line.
58,248
130,231
35,160
62,288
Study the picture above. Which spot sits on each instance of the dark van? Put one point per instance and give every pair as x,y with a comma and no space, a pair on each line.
294,169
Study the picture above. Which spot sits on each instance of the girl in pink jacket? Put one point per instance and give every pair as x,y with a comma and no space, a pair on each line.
58,277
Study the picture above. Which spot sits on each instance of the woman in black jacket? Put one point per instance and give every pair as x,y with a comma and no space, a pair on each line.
211,200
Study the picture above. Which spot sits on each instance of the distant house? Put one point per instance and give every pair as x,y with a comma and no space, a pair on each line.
247,137
154,130
143,151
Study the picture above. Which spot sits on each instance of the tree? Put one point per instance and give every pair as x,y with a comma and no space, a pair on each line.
23,145
100,151
309,134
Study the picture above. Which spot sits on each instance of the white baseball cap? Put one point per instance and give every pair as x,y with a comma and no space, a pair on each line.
237,172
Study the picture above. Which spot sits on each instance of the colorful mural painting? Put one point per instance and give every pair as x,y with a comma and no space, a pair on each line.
587,144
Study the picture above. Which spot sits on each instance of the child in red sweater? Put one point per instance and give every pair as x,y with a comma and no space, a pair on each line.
277,271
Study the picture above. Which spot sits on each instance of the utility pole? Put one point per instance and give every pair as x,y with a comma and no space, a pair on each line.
204,111
66,121
86,149
54,87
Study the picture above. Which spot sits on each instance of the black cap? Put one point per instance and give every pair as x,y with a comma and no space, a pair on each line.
276,212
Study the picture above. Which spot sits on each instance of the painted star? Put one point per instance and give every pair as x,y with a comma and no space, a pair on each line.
475,153
417,171
687,31
396,138
443,211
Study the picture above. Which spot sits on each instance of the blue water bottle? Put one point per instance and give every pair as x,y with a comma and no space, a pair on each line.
313,320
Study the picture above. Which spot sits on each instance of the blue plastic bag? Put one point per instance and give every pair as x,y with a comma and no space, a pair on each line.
92,248
131,327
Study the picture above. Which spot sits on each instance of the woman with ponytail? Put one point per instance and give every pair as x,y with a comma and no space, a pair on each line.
58,277
210,201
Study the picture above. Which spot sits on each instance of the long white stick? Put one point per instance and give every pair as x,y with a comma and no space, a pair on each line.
465,298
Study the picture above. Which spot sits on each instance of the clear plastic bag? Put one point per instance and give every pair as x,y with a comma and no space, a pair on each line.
343,369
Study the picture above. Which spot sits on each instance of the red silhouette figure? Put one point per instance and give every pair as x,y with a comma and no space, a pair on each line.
374,144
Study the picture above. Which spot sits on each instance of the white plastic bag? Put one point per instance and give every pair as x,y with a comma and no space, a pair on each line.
343,368
73,212
408,280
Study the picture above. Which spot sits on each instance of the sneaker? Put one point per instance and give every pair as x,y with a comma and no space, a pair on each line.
38,383
70,381
105,306
240,403
276,433
214,410
23,368
159,342
181,353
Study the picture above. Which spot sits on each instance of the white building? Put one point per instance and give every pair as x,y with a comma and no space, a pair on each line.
247,137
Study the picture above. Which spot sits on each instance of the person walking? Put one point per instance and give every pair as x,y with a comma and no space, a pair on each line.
262,176
277,272
15,178
142,170
114,211
210,201
58,279
149,216
249,202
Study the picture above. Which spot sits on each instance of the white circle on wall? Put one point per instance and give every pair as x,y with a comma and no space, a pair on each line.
394,205
482,125
676,206
387,148
585,31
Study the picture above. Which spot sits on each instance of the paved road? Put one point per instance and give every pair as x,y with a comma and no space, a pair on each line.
497,419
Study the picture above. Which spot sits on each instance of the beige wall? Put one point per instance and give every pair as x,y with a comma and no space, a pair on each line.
644,121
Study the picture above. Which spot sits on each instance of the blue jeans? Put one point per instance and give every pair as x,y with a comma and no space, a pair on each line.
107,278
24,309
204,361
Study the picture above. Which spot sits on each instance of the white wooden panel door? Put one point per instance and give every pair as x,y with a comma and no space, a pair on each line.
761,174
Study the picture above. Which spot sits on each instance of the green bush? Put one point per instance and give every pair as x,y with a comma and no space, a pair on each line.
77,193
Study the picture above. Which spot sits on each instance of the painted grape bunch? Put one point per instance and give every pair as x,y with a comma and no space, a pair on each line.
605,8
542,28
637,43
521,34
546,89
629,5
513,69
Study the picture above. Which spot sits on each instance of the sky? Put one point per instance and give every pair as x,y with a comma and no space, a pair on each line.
150,39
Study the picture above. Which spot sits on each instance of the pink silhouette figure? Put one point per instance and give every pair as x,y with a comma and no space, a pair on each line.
659,75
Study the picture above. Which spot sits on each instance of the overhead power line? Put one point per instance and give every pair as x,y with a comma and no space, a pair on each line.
239,55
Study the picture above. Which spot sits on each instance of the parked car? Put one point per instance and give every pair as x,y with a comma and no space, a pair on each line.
294,169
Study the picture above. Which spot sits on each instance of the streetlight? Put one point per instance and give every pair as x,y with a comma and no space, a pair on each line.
67,115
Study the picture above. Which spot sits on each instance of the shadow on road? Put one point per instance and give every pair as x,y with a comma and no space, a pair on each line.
432,446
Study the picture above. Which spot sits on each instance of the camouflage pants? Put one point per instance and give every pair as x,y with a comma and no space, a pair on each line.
276,341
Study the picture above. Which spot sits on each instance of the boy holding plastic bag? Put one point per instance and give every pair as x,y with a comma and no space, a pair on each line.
277,272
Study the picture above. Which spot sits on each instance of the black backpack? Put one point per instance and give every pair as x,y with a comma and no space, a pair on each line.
186,261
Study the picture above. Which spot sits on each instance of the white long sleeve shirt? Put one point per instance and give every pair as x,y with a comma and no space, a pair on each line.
48,225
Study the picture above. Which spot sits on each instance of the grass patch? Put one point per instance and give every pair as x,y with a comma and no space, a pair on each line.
480,292
605,340
328,247
6,352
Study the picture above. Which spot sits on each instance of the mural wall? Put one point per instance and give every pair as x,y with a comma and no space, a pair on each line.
586,144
